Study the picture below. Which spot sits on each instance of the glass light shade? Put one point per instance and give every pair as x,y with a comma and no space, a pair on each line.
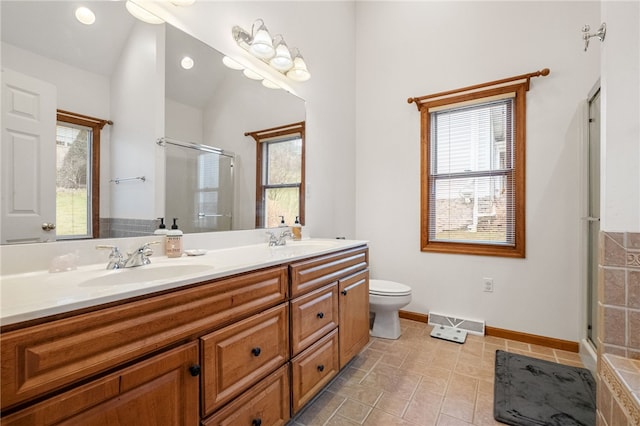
252,74
299,72
270,84
187,63
85,15
182,2
142,14
262,45
282,59
230,63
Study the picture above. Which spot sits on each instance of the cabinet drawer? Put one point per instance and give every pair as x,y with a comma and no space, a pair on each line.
312,274
312,316
241,354
45,357
266,404
313,369
159,391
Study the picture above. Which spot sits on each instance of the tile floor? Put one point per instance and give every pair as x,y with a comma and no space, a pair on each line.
419,380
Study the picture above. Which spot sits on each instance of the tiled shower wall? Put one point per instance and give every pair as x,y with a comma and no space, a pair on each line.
619,329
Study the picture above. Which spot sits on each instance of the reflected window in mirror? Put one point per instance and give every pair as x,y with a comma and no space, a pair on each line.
279,175
77,175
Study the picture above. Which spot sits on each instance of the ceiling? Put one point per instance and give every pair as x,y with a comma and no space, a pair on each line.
50,29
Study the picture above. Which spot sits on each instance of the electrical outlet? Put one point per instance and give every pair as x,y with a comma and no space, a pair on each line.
488,284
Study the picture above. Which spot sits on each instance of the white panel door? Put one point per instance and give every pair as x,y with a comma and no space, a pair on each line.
28,178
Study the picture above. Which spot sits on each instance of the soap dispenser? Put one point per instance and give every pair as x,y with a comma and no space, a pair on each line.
162,228
282,224
173,246
296,230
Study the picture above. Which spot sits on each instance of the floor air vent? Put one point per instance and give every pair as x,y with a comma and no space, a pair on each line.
470,326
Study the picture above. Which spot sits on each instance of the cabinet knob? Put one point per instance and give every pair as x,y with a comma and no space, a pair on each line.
321,368
256,422
344,292
320,315
195,370
255,351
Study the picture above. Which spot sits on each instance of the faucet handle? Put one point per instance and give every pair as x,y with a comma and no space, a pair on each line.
116,260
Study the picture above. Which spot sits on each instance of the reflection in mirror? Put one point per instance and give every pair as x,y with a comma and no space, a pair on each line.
124,70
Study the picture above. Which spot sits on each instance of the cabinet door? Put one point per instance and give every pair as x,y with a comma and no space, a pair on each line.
312,316
265,404
159,391
313,369
354,315
243,353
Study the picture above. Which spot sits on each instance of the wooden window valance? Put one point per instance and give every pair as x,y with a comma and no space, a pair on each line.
433,98
72,117
276,132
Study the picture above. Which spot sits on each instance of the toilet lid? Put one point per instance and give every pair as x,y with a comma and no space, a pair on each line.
388,288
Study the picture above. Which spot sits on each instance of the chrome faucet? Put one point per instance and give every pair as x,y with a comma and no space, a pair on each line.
138,257
281,240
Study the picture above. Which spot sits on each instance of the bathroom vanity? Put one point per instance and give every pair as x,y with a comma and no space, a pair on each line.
247,343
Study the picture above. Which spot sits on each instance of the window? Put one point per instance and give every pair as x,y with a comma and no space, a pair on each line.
473,169
77,175
279,175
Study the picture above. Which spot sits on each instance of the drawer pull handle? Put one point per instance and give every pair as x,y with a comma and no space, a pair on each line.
344,292
321,368
320,315
256,422
255,351
195,370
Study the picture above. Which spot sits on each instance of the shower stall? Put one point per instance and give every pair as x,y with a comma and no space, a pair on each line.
199,186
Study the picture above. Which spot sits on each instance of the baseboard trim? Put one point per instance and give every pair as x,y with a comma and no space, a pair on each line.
550,342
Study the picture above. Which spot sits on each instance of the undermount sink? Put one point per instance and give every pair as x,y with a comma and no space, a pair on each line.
144,274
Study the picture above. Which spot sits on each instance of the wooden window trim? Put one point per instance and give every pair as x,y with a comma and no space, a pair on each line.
96,125
518,249
273,134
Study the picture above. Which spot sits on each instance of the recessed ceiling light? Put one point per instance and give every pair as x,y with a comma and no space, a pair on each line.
187,63
85,15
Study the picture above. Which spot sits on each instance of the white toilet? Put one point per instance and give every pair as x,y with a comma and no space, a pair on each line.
385,300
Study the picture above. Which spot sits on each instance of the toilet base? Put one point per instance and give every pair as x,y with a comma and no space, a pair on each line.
386,325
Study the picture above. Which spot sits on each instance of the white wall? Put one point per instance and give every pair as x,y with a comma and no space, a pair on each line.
407,49
137,93
620,186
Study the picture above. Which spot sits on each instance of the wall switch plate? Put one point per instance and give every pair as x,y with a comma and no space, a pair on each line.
488,284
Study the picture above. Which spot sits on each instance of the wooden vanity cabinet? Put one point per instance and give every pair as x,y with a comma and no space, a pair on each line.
162,390
329,318
248,349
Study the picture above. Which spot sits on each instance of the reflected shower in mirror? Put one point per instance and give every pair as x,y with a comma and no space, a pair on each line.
107,70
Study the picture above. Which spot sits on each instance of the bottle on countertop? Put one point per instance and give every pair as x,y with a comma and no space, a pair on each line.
282,224
173,247
162,228
296,230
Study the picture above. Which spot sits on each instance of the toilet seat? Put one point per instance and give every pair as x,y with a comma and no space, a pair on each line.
388,288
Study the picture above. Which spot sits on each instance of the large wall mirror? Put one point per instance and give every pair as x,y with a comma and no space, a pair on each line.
128,73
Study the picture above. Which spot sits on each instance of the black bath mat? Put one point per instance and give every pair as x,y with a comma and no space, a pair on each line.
533,392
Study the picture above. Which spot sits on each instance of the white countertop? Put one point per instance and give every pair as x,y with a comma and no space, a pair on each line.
32,295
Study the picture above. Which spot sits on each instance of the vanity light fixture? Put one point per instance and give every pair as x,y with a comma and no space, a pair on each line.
272,51
230,63
182,2
142,14
85,15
